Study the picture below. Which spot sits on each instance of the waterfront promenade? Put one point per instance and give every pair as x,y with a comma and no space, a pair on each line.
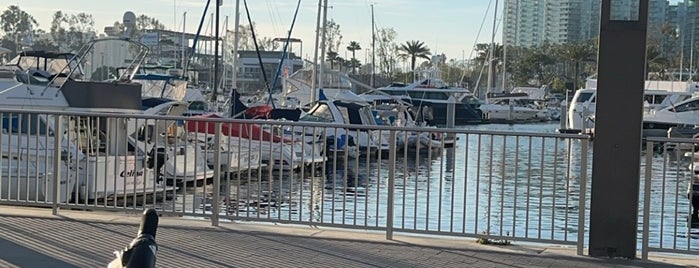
32,237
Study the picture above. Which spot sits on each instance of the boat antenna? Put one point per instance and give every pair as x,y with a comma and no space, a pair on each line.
284,53
257,49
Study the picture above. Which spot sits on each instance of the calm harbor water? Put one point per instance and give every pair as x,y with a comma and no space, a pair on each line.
509,186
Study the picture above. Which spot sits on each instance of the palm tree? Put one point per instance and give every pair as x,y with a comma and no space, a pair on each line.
332,58
578,53
353,46
415,49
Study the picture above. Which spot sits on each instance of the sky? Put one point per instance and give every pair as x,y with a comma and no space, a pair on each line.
445,26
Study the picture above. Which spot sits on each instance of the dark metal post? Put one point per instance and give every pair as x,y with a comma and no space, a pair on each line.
618,127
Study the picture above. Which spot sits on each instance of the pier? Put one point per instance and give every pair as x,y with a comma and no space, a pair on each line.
33,237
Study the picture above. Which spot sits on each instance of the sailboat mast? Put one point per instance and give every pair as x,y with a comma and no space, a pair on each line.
235,45
314,75
321,79
491,51
215,82
224,46
373,47
183,43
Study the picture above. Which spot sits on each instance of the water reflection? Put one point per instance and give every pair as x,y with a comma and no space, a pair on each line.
525,187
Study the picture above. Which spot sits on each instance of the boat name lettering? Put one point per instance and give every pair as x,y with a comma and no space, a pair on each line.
131,173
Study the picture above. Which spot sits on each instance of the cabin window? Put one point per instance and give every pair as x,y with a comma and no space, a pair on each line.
583,97
197,106
689,106
428,95
24,124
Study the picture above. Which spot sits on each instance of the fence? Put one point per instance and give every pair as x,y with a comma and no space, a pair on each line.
456,182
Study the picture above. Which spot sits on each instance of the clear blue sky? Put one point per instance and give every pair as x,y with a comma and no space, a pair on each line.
446,26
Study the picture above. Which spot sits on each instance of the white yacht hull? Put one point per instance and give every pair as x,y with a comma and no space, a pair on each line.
32,185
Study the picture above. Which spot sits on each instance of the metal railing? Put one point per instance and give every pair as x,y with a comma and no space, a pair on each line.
456,182
666,209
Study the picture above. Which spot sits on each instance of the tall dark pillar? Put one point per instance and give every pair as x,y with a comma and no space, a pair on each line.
618,127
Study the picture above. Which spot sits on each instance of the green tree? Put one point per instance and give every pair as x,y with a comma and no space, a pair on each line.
386,49
267,44
333,37
43,41
332,57
144,22
353,47
578,54
16,24
415,49
71,32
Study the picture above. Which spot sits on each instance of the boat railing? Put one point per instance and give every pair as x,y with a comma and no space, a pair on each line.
131,70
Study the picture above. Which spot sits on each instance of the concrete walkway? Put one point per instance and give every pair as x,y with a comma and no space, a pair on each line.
32,237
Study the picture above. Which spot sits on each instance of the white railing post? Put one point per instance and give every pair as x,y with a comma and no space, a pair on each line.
215,206
585,143
646,200
58,135
391,182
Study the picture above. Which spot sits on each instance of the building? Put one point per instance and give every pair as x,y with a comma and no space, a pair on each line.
535,22
250,77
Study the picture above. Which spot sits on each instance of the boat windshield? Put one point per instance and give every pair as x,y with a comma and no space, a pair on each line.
585,96
320,114
52,63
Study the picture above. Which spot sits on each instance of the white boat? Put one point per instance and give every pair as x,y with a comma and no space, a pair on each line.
685,113
346,112
392,111
235,156
517,106
185,160
256,143
96,162
658,96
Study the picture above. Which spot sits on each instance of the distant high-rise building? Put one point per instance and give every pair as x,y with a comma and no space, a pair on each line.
534,22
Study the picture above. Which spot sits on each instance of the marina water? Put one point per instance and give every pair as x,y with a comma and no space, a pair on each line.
522,187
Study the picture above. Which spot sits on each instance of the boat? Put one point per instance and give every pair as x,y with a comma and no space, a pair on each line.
251,141
685,113
394,111
348,109
96,163
185,160
659,97
514,107
429,90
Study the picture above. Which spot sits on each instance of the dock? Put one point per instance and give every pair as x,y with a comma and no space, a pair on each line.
33,237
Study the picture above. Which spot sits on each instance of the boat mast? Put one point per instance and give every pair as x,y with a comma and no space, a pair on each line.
373,47
234,61
321,79
184,46
491,51
314,75
215,81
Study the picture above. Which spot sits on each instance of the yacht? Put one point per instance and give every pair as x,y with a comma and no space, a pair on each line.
685,113
243,144
98,160
514,107
429,90
658,96
349,109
